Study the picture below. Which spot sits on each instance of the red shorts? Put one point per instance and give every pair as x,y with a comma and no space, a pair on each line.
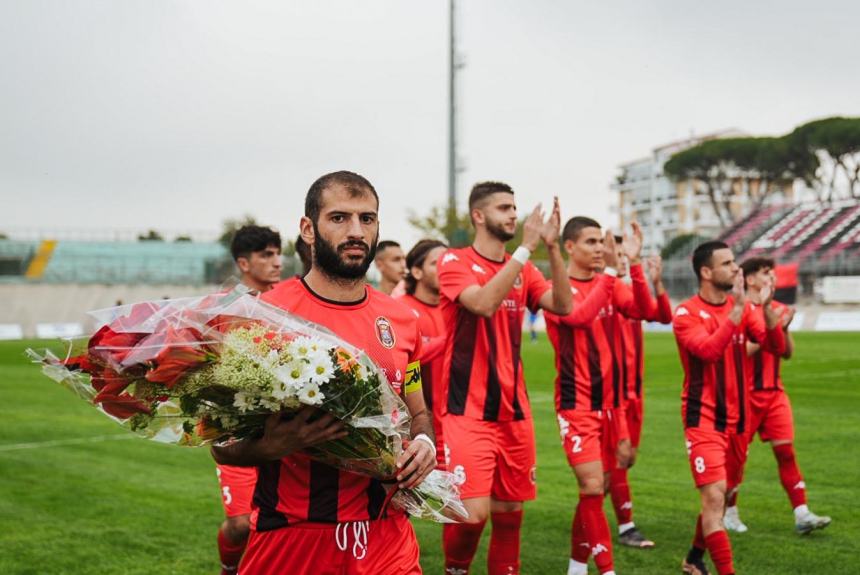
634,409
381,547
491,458
237,488
716,456
592,435
771,416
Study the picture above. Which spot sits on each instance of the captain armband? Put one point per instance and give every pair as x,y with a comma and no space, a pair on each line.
413,377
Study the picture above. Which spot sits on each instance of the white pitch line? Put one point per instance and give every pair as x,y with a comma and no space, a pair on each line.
62,442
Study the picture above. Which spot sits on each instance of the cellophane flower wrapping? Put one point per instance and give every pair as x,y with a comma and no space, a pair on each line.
212,369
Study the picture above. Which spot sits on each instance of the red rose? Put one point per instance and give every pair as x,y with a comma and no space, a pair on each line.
121,406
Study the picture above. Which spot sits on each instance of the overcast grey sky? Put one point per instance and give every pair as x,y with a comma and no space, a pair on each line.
177,115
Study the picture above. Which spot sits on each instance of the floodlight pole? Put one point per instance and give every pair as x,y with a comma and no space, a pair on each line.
452,123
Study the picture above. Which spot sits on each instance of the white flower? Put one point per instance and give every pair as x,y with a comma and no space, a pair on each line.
242,401
311,394
303,346
293,375
321,369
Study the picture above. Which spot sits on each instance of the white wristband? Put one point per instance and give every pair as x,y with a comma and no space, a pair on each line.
424,437
522,254
610,271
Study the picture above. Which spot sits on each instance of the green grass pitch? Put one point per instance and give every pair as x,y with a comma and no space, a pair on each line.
133,506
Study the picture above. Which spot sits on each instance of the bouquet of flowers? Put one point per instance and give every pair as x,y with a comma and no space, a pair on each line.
195,371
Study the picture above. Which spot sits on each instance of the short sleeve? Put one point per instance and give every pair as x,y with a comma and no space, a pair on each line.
455,275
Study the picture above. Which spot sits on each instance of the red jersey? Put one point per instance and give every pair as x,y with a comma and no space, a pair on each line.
763,366
432,328
583,346
483,375
296,488
713,352
631,304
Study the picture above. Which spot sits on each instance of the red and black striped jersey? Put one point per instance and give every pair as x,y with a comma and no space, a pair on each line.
659,310
589,372
432,328
297,489
763,367
713,354
483,374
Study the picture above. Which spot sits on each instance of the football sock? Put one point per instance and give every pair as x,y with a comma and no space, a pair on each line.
720,550
503,556
596,531
622,501
789,474
460,541
574,567
580,550
230,553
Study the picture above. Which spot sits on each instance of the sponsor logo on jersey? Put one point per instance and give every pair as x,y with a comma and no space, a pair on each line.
449,257
478,269
704,315
682,311
385,333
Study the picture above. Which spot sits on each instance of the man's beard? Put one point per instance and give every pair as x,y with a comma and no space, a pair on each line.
328,258
725,286
497,230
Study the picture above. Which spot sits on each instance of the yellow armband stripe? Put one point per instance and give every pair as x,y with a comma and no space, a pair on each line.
413,377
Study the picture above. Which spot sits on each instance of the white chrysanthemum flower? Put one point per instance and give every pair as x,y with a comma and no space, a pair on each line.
294,374
282,391
321,369
303,346
310,394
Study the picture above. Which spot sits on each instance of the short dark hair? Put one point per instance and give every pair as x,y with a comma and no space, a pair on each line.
416,257
703,253
304,252
250,239
756,264
483,190
355,184
575,225
384,245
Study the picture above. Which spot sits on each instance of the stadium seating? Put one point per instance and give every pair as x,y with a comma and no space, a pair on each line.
80,262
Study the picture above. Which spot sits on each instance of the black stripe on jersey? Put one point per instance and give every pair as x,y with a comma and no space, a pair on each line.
266,497
516,333
720,411
741,383
465,331
493,398
694,391
596,373
758,369
322,499
567,366
427,390
375,498
775,372
609,329
637,341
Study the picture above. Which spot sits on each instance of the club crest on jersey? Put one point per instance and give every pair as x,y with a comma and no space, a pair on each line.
384,332
518,283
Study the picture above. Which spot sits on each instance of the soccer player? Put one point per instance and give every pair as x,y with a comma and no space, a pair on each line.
588,385
711,330
391,263
629,346
422,296
489,436
310,517
257,253
770,408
